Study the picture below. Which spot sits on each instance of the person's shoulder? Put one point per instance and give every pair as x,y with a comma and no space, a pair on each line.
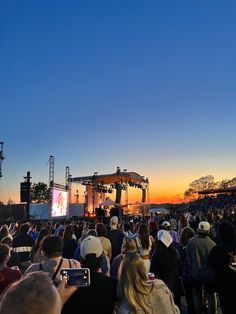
28,237
159,284
191,242
12,272
124,308
120,233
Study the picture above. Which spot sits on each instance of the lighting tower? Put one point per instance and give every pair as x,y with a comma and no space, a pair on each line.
67,176
51,171
1,158
68,183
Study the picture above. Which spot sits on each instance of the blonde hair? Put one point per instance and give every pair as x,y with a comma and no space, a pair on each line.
133,286
128,245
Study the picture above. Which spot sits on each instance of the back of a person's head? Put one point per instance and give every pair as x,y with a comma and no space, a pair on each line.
92,232
114,222
143,233
3,232
68,222
204,228
24,228
34,294
101,230
68,232
52,246
186,234
4,252
133,285
92,253
38,228
132,270
128,245
126,226
227,232
8,241
42,233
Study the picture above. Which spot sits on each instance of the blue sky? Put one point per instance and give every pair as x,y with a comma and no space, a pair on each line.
144,85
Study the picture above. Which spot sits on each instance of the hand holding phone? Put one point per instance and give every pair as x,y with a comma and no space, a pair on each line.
79,277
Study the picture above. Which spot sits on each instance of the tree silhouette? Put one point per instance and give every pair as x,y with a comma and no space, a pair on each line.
40,193
203,183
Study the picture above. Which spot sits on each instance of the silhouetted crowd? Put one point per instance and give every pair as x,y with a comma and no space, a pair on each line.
160,263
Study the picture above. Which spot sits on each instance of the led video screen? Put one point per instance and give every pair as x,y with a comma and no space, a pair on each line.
59,203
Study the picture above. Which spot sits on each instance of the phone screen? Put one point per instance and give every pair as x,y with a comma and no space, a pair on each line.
79,277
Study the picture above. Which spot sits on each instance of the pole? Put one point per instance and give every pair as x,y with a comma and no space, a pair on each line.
28,177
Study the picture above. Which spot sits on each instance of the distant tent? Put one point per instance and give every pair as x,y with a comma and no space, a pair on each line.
159,210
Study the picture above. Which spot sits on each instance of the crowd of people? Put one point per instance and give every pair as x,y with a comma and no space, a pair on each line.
160,263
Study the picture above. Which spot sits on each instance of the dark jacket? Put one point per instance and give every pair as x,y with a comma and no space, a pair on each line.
99,297
22,245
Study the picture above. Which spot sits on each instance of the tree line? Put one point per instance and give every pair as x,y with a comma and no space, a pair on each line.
206,183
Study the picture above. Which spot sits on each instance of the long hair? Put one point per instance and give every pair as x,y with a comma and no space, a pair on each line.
128,245
42,233
133,286
143,234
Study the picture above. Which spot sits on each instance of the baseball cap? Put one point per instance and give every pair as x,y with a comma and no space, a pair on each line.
91,245
203,227
165,223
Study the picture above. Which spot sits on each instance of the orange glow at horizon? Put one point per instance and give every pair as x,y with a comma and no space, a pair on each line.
166,189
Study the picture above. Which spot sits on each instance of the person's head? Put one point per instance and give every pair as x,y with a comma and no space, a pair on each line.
3,232
33,294
68,232
114,222
166,225
126,226
68,222
186,234
42,233
143,234
227,232
92,232
183,220
37,228
101,230
132,284
128,245
4,253
84,234
8,241
91,253
52,246
203,228
153,226
24,228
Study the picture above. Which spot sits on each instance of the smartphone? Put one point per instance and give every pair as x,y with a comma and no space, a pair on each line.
79,277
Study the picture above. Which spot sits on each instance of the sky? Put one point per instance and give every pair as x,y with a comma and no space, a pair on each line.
145,85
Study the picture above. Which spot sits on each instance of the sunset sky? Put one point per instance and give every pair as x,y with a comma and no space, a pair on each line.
145,85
